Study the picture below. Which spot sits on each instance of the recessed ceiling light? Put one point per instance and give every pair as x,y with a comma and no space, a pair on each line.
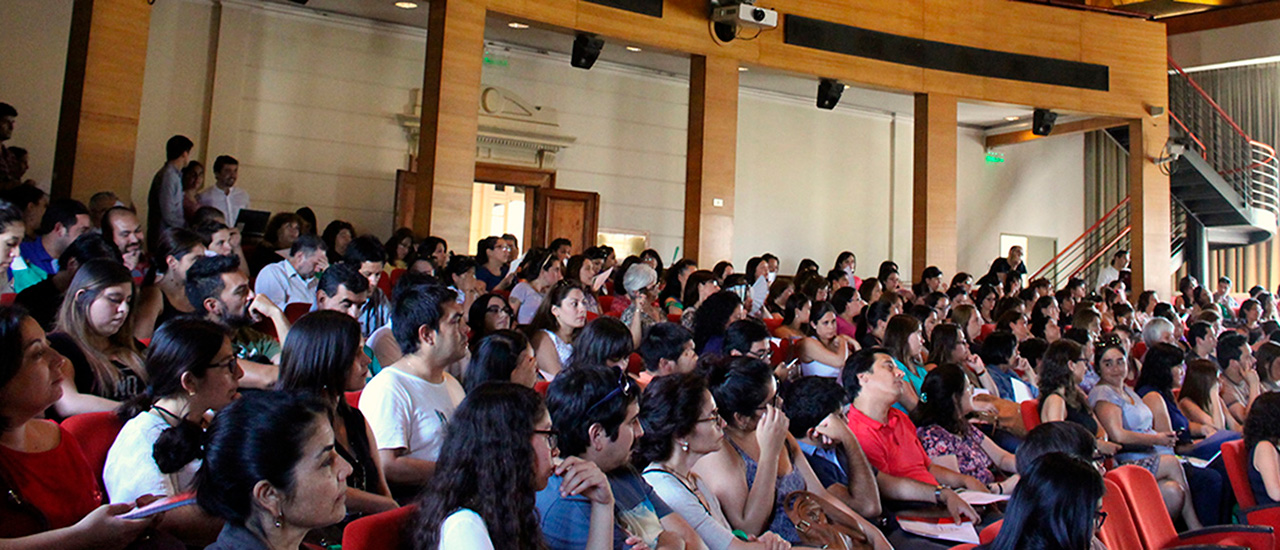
1012,118
743,69
632,49
517,25
406,5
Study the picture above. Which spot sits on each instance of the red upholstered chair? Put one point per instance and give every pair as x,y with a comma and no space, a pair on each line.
1155,528
635,363
379,531
964,547
296,310
95,432
1030,413
384,283
353,398
591,316
989,533
605,301
781,352
541,387
1236,460
1118,532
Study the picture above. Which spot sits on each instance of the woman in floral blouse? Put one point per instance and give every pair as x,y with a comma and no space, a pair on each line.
946,401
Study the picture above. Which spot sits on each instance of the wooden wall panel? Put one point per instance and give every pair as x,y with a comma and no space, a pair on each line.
101,98
711,158
934,240
1149,207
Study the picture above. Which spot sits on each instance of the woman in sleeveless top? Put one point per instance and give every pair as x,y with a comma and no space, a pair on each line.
558,320
323,355
759,464
1062,368
166,297
824,351
1261,437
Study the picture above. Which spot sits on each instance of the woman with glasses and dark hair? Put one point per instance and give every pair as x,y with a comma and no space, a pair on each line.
1057,505
498,452
758,463
1062,369
492,256
193,370
1129,422
323,356
946,401
681,426
489,313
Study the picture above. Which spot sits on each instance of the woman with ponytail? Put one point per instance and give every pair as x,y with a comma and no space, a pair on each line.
192,370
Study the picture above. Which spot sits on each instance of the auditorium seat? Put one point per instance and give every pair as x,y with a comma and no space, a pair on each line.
1236,459
95,432
1118,532
989,533
772,324
395,276
1030,413
379,531
353,398
296,310
1155,528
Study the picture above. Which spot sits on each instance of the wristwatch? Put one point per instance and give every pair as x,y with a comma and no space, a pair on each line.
937,493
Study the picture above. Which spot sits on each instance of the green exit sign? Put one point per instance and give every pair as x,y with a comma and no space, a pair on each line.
995,158
492,61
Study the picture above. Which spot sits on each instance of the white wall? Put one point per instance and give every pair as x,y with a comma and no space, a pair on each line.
33,39
1037,191
1238,43
631,139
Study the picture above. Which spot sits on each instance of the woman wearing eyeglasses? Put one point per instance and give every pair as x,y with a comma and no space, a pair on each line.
682,425
192,368
488,314
497,454
1057,505
1062,369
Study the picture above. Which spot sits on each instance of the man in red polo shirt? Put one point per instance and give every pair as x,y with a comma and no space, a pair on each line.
889,439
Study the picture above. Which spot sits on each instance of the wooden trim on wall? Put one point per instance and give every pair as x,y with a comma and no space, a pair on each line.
523,176
1222,18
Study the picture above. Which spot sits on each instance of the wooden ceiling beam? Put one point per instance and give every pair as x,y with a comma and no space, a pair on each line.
1068,128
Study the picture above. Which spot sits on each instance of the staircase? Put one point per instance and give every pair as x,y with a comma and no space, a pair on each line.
1224,186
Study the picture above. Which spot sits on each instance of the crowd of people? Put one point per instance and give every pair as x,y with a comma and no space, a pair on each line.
565,398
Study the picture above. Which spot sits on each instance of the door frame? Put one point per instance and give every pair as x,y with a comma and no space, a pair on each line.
519,176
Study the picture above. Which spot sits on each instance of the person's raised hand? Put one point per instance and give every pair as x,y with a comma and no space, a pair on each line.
262,306
833,429
771,430
583,477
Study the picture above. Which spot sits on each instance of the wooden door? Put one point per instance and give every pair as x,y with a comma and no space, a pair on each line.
572,215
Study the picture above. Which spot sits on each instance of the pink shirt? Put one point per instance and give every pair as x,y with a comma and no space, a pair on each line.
846,328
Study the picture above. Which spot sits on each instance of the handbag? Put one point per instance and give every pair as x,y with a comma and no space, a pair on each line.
807,511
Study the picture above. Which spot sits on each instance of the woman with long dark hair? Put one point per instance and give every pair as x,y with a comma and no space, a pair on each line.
493,255
503,356
1062,369
604,342
337,235
673,288
555,326
1057,506
540,270
1261,437
192,367
795,317
95,334
497,454
714,317
824,350
681,426
1199,398
399,249
904,338
271,471
943,429
323,356
166,297
582,269
489,313
698,287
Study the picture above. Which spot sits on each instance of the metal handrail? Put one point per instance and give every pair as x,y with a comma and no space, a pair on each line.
1070,248
1093,259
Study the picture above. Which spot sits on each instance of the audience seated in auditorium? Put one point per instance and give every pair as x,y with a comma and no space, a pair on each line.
271,471
672,294
220,291
1261,437
63,222
699,286
176,251
1239,381
1061,398
595,413
667,349
540,270
824,350
715,315
95,334
368,256
758,464
192,370
293,279
282,230
492,256
42,464
682,426
409,402
813,405
502,356
1013,375
224,195
1056,506
498,453
556,325
43,299
121,227
342,289
323,357
944,430
220,239
641,284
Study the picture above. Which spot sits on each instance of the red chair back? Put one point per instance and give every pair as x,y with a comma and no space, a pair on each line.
384,283
95,432
1118,531
605,301
591,316
1155,528
1234,458
772,323
353,399
541,387
379,531
296,310
989,533
395,276
1030,413
964,547
781,352
635,364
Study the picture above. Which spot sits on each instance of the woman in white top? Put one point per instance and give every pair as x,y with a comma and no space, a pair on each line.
192,368
540,270
824,351
558,321
681,425
497,455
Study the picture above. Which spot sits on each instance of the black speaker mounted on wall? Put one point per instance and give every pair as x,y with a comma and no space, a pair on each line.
1042,122
829,92
586,49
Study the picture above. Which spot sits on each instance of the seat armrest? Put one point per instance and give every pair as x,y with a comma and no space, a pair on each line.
1256,537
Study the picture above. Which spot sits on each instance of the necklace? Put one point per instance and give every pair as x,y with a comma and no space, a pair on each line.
688,484
177,420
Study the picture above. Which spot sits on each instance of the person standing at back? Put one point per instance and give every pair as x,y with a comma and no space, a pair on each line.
224,195
164,202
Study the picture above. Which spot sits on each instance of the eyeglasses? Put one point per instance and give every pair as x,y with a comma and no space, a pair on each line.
626,386
713,417
552,437
776,402
1101,518
230,364
759,354
500,309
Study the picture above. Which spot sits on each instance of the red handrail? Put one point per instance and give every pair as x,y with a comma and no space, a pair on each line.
1086,233
1102,251
1212,103
1194,138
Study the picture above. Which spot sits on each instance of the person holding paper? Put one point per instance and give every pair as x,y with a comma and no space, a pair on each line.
947,398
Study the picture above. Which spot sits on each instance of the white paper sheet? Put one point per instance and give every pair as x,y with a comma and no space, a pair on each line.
975,498
963,532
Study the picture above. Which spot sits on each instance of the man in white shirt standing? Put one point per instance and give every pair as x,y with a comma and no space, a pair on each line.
224,195
1111,273
293,279
409,403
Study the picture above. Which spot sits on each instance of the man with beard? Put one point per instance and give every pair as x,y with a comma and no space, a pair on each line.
120,225
217,287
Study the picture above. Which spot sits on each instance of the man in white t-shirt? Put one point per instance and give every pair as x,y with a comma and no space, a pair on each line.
224,195
409,403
